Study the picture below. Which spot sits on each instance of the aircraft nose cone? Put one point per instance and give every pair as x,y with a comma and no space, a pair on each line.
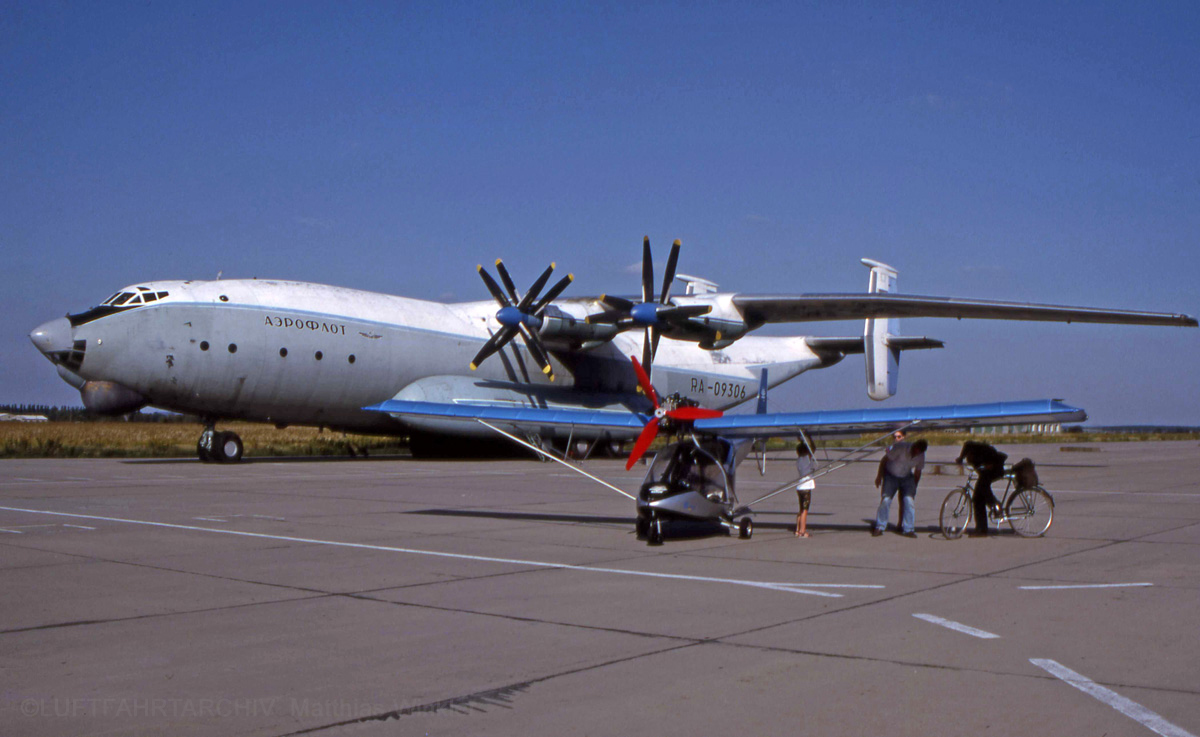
52,337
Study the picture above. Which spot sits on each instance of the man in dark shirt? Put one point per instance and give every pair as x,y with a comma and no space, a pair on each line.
989,465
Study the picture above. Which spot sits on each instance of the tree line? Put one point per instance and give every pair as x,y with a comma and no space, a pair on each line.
79,414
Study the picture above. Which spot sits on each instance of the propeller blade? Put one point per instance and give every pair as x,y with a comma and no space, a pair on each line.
693,413
647,271
616,303
644,381
655,334
493,287
647,350
683,311
669,274
536,289
649,432
534,344
604,318
493,344
555,290
508,282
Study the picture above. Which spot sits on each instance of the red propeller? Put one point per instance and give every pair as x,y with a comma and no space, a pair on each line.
650,431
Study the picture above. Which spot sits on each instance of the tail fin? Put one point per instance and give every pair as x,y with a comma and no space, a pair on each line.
883,360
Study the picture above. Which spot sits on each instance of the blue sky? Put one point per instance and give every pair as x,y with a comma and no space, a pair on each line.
1012,151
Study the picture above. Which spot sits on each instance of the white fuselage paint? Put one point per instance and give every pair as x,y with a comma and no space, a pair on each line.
301,353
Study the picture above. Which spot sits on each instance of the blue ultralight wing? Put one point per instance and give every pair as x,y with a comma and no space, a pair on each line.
530,416
756,425
869,420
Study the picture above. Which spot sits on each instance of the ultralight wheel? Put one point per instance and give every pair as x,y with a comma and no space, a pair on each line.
1030,512
654,531
956,513
642,526
745,528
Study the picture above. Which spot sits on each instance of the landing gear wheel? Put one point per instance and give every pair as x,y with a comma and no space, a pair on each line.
956,513
642,526
654,532
745,528
1030,512
204,446
226,448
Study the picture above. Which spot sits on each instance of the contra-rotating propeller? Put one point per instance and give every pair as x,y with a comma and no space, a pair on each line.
649,313
519,314
672,409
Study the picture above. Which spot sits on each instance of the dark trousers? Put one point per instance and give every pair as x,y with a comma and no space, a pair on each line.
983,494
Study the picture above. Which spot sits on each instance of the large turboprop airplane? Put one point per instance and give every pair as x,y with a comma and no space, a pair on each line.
310,354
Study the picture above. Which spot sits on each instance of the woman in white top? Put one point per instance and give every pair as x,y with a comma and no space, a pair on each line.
805,465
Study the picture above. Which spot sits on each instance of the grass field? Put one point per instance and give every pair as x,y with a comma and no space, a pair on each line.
178,439
174,439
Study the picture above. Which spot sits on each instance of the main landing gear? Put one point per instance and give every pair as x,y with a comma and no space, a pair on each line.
218,447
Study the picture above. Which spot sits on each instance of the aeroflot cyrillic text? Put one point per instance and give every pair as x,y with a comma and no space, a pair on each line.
314,325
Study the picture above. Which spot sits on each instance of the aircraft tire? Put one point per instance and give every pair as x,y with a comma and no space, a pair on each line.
202,452
745,528
654,532
642,526
227,447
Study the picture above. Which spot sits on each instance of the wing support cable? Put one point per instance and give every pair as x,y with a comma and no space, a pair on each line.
552,457
845,460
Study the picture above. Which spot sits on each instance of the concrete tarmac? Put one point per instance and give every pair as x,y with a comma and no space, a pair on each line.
402,597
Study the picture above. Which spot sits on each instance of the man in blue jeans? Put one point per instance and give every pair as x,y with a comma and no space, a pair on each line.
899,470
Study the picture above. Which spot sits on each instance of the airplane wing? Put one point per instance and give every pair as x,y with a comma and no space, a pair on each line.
883,419
531,417
761,309
756,425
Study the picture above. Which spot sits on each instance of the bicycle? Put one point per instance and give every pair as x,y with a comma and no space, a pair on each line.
1029,511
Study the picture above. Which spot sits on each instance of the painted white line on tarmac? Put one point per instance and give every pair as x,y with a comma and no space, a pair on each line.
790,587
1129,708
957,627
1084,586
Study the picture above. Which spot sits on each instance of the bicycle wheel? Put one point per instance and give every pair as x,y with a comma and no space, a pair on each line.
956,513
1030,512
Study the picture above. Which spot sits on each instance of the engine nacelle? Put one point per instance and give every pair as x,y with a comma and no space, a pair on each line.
883,360
560,327
110,398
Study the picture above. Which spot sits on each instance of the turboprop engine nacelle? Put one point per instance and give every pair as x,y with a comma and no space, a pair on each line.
883,360
560,327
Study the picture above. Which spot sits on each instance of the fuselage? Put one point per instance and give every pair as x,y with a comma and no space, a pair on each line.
313,354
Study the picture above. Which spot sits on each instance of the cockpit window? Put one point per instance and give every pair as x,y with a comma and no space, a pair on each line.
128,299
